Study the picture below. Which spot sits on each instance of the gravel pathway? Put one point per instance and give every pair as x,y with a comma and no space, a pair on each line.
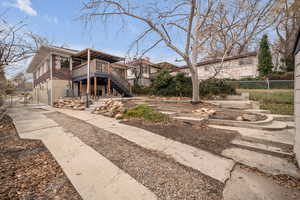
162,175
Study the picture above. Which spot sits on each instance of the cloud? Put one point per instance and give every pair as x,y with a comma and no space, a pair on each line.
23,5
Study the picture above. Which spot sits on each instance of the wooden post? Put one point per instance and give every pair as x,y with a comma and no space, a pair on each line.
80,88
95,86
108,86
88,71
88,78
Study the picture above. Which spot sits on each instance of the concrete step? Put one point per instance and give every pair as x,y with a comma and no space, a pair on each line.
258,111
263,162
282,136
260,146
269,124
284,118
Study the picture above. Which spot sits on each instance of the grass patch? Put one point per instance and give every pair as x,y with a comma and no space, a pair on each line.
277,101
147,113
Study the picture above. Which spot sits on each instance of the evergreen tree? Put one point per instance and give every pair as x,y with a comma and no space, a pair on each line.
265,64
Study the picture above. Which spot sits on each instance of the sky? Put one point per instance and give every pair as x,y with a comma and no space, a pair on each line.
57,20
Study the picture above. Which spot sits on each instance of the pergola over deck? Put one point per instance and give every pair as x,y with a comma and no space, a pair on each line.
85,63
96,54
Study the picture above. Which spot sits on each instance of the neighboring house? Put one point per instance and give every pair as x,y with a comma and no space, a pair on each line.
140,70
60,72
297,98
144,70
234,67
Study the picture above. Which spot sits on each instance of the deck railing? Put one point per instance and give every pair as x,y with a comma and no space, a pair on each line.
100,66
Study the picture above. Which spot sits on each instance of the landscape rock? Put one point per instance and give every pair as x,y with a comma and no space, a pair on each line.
74,104
204,112
248,117
111,108
239,118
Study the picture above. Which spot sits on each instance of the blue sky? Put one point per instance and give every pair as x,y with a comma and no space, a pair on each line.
57,21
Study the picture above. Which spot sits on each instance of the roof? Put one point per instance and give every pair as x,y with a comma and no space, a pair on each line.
98,54
141,60
218,60
166,65
45,50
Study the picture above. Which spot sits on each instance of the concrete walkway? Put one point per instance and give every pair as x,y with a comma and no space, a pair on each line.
209,164
248,185
93,176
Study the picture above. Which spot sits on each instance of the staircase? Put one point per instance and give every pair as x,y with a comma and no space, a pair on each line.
120,84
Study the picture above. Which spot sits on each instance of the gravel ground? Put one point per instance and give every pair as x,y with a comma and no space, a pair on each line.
210,139
162,175
28,170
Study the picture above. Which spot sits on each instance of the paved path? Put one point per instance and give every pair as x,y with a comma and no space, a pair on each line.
209,164
93,176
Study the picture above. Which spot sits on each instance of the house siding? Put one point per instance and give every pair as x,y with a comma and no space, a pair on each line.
231,69
297,106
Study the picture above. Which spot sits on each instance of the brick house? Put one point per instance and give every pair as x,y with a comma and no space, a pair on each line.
234,67
59,72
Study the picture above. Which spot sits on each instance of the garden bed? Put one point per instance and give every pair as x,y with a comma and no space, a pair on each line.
28,170
202,137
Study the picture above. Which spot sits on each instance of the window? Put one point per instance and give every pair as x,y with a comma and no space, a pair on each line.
65,62
145,69
246,61
57,62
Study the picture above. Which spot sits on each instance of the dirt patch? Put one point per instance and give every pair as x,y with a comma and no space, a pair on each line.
202,137
28,170
233,115
188,109
162,175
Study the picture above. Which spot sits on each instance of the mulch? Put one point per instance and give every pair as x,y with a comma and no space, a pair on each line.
28,170
202,137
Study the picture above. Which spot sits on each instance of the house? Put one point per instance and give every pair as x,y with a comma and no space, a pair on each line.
233,67
60,72
297,97
144,70
141,70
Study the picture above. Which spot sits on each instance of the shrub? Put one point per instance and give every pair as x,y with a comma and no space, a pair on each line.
180,85
147,113
141,90
282,76
216,87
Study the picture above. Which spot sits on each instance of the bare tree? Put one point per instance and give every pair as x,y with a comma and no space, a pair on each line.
240,23
286,30
165,20
16,44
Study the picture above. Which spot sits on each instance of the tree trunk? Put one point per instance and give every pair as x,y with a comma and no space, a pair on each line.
195,82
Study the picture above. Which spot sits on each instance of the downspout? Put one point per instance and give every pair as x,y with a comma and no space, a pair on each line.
51,80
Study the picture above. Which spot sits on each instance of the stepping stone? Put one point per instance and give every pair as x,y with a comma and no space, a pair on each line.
93,176
260,146
266,163
247,185
284,136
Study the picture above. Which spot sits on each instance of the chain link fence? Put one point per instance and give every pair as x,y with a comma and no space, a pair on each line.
263,84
